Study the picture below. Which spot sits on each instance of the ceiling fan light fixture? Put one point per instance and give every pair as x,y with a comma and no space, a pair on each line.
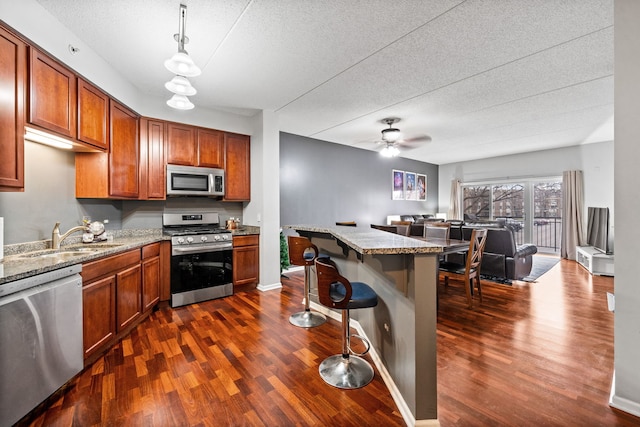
180,102
181,86
390,151
391,134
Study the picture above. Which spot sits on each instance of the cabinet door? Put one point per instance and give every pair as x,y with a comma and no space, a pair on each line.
13,57
52,95
181,144
152,163
237,167
246,264
98,314
151,275
123,158
210,148
93,116
128,293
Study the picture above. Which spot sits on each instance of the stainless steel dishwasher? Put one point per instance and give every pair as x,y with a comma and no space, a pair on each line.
40,339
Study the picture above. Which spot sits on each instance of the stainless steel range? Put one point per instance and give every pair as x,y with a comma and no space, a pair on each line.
201,257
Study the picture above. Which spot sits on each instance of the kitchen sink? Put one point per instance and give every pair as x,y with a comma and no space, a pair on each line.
68,253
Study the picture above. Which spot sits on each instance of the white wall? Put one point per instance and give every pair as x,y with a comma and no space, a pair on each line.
595,160
626,389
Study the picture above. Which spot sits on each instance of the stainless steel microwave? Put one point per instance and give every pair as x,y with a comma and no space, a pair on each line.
194,181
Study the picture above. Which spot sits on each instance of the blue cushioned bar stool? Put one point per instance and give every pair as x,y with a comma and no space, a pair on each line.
347,370
304,253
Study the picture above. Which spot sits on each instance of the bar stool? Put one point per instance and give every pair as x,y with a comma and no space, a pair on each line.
347,370
302,252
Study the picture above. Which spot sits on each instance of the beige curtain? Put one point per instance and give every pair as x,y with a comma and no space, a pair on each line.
572,213
455,211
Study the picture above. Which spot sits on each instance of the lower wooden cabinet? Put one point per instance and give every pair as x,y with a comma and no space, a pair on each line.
151,276
99,314
246,259
118,291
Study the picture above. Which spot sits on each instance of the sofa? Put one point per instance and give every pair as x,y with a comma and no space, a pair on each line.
502,258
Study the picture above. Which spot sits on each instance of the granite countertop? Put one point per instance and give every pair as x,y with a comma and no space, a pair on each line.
369,241
17,264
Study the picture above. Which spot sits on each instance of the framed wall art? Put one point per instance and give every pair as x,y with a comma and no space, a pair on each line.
421,187
397,185
410,192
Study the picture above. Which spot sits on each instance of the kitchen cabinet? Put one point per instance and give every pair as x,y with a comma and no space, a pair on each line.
114,174
151,276
181,144
237,167
210,148
152,161
246,259
52,95
111,299
13,56
93,115
194,146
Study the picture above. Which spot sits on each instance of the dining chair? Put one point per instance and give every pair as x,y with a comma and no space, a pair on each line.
470,270
438,230
402,227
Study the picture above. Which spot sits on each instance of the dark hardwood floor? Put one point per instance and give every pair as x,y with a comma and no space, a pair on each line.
531,354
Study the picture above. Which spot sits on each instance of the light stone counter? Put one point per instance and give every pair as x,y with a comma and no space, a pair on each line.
402,327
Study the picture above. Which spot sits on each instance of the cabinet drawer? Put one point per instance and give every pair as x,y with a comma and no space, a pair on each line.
151,250
101,267
250,240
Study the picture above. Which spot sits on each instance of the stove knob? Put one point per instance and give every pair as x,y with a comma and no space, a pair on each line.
203,239
180,240
216,237
189,239
225,237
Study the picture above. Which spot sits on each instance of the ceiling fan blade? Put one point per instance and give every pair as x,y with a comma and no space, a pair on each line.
417,139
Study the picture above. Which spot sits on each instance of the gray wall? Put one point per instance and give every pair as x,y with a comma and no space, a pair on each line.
322,182
626,389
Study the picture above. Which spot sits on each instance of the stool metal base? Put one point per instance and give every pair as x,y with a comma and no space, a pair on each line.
346,372
307,319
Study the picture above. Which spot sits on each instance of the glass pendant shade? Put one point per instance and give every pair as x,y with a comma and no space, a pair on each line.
180,102
181,86
389,151
182,64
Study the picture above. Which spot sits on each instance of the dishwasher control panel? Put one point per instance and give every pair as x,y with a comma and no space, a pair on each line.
39,279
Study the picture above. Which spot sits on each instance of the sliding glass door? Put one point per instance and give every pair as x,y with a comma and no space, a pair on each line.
532,208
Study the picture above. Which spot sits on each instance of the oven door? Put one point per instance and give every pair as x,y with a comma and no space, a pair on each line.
200,275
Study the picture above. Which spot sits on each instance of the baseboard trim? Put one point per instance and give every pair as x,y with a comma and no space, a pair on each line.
406,413
273,286
622,403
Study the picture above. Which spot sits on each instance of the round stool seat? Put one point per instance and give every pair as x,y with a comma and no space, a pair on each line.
362,296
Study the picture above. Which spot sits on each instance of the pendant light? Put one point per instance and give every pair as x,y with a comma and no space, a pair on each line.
182,66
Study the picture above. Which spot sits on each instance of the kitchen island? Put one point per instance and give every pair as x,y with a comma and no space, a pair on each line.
402,327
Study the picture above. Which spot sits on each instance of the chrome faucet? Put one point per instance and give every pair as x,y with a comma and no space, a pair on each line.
56,238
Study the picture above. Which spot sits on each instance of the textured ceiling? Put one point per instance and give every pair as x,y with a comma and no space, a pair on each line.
481,78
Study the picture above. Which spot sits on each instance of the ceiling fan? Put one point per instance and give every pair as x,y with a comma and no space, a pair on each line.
393,141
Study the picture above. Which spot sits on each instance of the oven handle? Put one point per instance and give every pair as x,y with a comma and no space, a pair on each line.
199,249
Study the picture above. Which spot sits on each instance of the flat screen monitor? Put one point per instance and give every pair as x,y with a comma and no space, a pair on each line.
598,228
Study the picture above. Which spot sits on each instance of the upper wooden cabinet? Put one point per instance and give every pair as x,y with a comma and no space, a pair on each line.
210,148
93,115
152,162
13,57
115,174
237,167
181,144
52,95
124,156
194,146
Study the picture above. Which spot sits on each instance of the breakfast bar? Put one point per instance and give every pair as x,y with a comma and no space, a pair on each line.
402,328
